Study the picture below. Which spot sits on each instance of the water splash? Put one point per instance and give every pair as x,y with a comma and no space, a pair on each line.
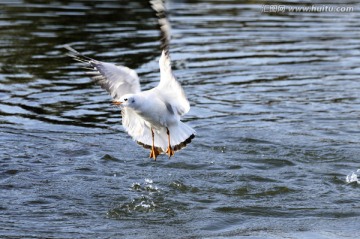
148,180
353,177
145,200
141,204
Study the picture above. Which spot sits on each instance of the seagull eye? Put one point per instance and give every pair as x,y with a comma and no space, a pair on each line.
125,99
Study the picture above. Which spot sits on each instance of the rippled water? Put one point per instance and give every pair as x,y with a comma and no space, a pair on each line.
275,102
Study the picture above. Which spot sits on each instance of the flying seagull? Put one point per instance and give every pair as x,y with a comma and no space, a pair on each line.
151,117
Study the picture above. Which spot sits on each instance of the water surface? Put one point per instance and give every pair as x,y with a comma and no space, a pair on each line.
275,103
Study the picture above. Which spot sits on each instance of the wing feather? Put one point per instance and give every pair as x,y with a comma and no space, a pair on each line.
116,80
165,27
170,89
140,130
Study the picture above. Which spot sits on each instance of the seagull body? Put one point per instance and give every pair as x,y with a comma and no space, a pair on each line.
151,117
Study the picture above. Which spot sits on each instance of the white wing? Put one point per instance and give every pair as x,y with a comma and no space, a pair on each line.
165,27
140,130
171,91
135,125
116,80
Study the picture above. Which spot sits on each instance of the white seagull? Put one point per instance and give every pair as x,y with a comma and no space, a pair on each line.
151,117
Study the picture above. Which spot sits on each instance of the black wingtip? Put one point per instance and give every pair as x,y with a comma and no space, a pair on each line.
77,56
184,144
176,147
145,146
70,49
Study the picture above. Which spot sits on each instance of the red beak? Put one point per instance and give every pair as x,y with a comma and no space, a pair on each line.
116,102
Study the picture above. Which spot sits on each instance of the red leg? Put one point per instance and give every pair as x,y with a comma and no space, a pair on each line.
154,152
169,150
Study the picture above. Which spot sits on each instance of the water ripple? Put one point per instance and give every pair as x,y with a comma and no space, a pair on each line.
274,100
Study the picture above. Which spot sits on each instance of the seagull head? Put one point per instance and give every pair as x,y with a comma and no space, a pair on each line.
128,100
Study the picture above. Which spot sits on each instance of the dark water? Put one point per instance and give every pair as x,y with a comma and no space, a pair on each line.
275,102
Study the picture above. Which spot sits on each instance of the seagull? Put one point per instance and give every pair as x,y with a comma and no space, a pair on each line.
151,117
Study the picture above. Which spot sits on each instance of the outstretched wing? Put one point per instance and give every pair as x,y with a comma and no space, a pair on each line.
165,27
116,80
171,91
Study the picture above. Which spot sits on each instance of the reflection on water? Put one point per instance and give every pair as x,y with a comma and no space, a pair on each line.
274,101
